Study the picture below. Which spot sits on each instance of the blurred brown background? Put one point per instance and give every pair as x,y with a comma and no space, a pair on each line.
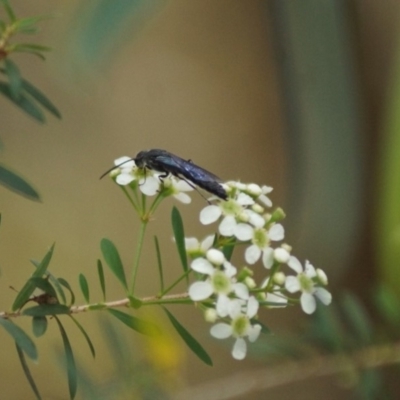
205,80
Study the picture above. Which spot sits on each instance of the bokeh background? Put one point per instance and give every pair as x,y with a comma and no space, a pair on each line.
302,96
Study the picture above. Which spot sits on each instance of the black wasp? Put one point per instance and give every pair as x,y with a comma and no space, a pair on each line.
168,163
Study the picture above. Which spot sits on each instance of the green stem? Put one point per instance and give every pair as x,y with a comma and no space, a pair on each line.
139,247
183,276
134,205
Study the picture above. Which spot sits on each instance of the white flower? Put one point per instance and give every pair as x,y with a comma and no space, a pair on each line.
194,247
219,282
240,327
263,198
261,239
305,281
177,187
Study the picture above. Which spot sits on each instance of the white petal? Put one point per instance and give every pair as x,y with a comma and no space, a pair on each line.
124,179
244,199
183,186
276,232
265,200
241,290
323,295
202,265
308,303
221,331
310,270
191,243
252,254
254,332
183,198
230,270
150,186
215,256
295,264
268,257
234,308
125,161
207,242
281,255
243,232
254,189
227,226
239,349
292,284
222,306
252,307
210,214
256,219
274,298
322,277
200,291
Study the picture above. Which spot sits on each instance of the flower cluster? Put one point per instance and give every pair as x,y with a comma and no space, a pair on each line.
230,297
149,182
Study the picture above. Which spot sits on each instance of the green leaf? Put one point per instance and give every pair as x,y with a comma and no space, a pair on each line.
84,333
9,10
14,77
46,309
41,98
3,26
134,302
27,372
23,102
58,287
28,47
69,356
33,52
20,337
191,342
357,319
45,285
113,260
39,325
84,287
388,305
100,271
27,23
64,283
144,327
17,184
27,290
179,234
228,248
159,263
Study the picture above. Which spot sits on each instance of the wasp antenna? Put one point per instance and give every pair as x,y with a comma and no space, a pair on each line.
115,167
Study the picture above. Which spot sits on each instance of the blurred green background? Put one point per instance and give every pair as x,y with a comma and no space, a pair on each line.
303,96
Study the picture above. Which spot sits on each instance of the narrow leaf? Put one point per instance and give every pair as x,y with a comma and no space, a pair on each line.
27,290
17,184
29,47
41,98
113,260
100,271
39,326
191,342
27,372
144,327
179,234
159,263
69,356
357,319
3,26
28,22
64,283
9,10
58,287
45,285
84,287
35,53
20,337
84,333
14,77
46,309
23,102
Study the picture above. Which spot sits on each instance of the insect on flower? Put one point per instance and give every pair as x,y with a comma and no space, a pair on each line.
168,163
